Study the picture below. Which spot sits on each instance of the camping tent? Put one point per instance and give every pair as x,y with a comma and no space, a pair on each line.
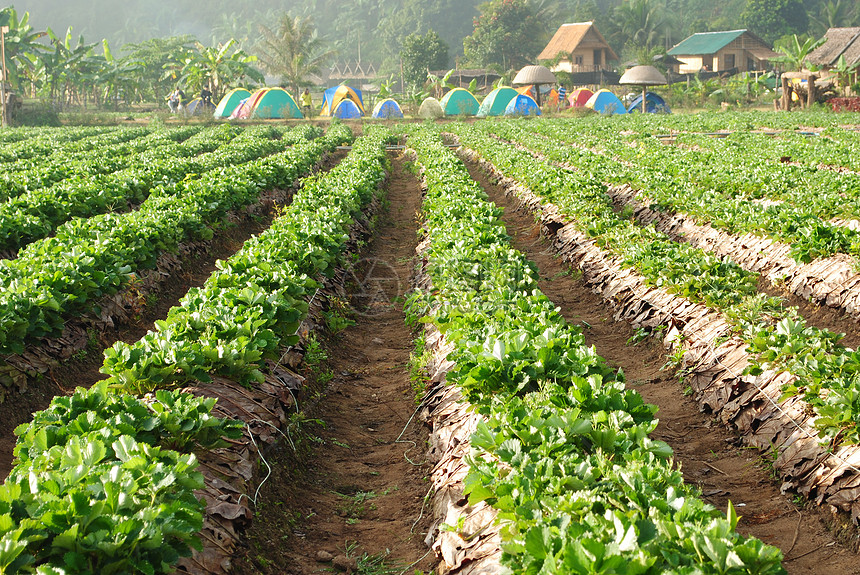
195,107
430,109
229,102
605,102
579,97
243,110
654,104
274,103
334,96
459,102
522,105
548,94
387,109
495,102
346,110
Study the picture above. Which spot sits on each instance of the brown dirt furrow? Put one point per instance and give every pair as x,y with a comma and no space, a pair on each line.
707,452
356,491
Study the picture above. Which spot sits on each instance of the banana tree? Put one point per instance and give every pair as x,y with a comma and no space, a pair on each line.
22,45
217,68
68,65
844,71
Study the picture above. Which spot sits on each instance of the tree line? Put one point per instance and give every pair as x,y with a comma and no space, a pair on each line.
292,41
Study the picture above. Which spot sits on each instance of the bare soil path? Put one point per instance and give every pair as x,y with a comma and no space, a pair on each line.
708,454
360,497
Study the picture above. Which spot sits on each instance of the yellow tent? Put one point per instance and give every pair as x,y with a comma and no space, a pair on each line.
334,96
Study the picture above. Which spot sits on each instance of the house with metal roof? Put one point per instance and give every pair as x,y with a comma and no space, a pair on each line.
732,50
580,47
838,42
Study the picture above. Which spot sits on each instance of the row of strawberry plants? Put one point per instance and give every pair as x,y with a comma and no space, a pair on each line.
778,338
746,166
671,188
37,214
28,175
833,147
722,122
103,481
43,142
564,454
59,142
252,305
86,259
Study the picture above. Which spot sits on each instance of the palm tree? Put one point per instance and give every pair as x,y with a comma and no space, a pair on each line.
292,51
835,14
642,23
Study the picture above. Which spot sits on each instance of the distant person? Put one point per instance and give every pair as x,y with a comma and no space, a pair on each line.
307,103
562,97
206,97
174,101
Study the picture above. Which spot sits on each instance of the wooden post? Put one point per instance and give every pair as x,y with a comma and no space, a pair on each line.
810,90
5,117
786,94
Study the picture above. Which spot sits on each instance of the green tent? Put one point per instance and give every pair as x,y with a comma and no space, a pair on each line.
275,103
496,101
229,102
459,102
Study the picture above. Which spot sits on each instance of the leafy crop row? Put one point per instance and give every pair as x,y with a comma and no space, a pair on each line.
104,481
715,193
69,140
252,305
778,338
86,259
37,214
32,174
579,485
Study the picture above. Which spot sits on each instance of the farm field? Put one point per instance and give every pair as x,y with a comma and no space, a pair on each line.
633,354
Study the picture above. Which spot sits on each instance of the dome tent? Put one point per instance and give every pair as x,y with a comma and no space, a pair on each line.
430,109
579,97
243,110
654,104
522,105
459,102
605,102
274,103
230,101
495,102
346,110
387,109
334,96
548,94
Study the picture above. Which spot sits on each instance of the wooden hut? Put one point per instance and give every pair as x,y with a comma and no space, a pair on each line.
838,42
581,48
729,51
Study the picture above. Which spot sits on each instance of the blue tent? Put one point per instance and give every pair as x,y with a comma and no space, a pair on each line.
522,105
654,104
605,102
387,109
347,110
